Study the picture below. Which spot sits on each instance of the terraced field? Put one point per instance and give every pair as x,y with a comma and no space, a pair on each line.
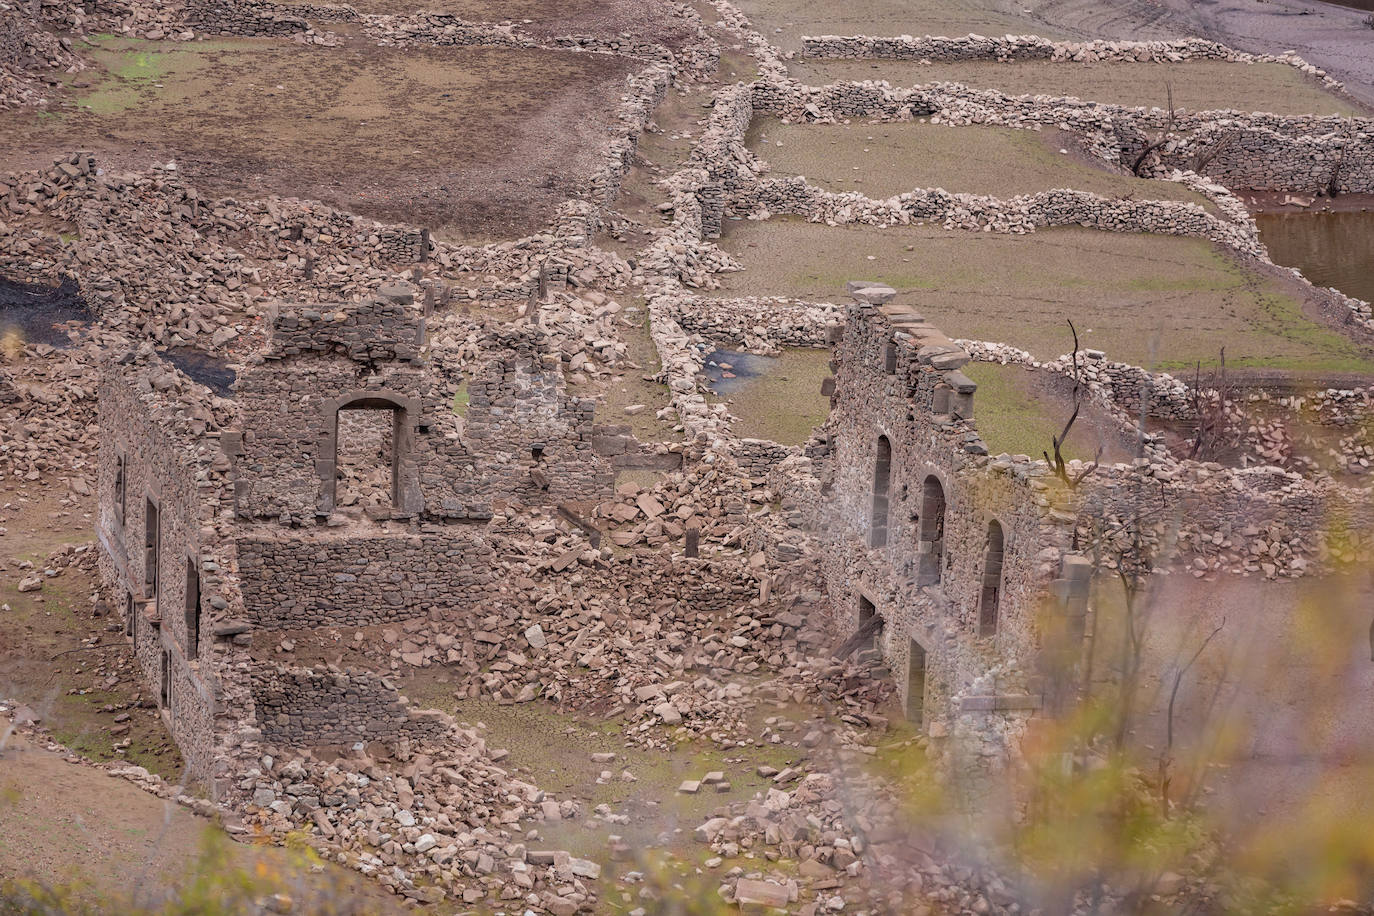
1159,301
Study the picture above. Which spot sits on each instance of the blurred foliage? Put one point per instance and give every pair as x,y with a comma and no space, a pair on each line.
216,884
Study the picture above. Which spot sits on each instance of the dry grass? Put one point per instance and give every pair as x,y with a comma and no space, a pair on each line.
1160,301
1198,85
881,160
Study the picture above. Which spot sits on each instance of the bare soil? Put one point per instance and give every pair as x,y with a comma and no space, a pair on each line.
486,141
63,653
881,160
1156,301
1197,85
67,822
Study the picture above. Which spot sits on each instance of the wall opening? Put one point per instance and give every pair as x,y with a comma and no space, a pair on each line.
867,611
121,489
366,459
882,480
991,597
192,609
152,548
165,689
890,358
932,530
129,619
916,684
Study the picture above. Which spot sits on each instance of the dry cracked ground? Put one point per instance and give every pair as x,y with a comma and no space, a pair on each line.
760,775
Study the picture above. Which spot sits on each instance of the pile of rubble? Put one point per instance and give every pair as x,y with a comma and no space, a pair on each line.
30,57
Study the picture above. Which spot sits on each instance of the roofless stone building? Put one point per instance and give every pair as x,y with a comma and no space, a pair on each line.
344,482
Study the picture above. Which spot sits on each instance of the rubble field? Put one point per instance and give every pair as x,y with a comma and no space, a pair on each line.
1147,299
1198,85
357,127
880,160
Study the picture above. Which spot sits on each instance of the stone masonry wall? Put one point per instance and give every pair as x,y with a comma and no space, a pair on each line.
523,439
361,580
303,707
922,407
159,463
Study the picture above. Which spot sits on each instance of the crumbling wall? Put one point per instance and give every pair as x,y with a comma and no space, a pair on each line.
148,450
898,378
303,707
360,580
523,439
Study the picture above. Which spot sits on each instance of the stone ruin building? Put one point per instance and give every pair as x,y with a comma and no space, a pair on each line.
225,517
979,569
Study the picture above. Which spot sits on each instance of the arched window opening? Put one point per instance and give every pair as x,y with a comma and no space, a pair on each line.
366,464
192,608
121,489
991,595
152,548
932,530
882,479
165,691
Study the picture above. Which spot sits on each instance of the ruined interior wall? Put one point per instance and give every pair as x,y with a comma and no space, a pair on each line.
288,411
523,439
158,463
361,580
518,404
301,707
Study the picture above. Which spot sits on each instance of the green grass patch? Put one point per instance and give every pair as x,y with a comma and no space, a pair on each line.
1151,300
784,403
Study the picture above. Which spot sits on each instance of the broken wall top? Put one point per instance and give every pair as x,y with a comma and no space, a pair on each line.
385,327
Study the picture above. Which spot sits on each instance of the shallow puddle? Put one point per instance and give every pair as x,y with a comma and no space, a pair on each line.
31,312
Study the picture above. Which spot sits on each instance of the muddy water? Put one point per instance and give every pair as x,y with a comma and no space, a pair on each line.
1331,249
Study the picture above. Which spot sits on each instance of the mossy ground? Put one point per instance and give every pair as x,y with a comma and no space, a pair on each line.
1157,301
784,403
881,160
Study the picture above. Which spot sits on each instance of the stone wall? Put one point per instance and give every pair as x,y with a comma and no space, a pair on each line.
251,18
149,452
1009,48
304,707
361,579
523,439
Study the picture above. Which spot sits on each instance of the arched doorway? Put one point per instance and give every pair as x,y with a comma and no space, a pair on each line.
367,446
